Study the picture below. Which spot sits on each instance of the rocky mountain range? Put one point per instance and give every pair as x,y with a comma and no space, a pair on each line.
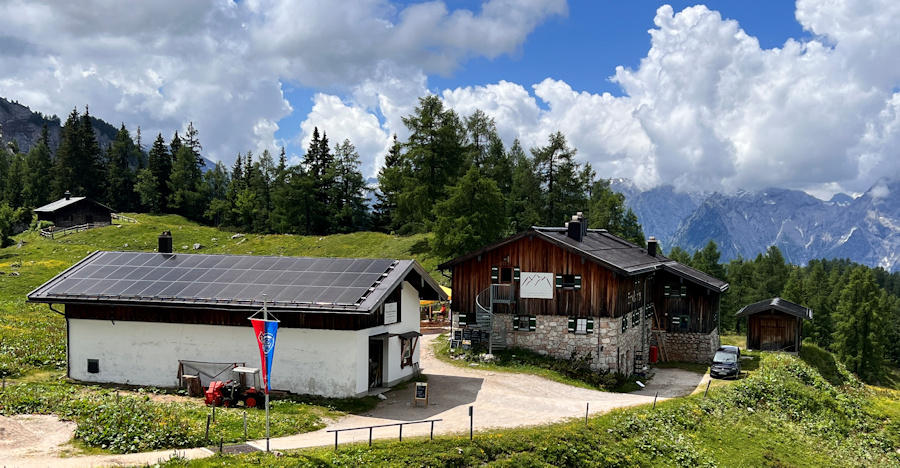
20,124
865,229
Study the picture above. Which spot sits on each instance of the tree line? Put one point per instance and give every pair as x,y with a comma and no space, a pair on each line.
452,176
856,309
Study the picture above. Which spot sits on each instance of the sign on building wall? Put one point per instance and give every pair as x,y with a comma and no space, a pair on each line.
536,286
390,313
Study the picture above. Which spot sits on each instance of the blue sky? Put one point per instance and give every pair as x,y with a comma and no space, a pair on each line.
721,95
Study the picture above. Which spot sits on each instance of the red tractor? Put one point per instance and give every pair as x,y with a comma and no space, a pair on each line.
235,391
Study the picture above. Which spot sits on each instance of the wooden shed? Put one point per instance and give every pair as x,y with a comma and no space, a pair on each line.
74,211
775,324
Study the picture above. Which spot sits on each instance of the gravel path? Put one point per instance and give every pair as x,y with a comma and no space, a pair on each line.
498,399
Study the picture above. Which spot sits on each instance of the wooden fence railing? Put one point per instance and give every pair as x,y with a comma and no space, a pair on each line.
123,218
53,233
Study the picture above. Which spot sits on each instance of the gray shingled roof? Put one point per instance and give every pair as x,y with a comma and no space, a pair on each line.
62,202
338,285
778,304
603,248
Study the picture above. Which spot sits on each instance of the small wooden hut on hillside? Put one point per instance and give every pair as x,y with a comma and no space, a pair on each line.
775,324
74,211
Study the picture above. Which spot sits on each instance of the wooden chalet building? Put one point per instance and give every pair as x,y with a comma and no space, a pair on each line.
74,211
347,325
775,324
573,289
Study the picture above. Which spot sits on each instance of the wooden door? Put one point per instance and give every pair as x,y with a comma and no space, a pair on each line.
771,333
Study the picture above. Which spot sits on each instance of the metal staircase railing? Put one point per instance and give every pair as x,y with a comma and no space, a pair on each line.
484,312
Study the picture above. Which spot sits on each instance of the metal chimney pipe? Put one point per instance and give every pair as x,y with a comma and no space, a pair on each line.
165,242
651,246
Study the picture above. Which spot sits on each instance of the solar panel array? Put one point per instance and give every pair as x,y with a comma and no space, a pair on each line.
219,279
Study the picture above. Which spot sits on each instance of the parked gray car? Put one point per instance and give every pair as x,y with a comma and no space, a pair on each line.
726,362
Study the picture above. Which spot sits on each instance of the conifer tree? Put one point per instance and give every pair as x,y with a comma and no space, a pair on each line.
121,178
37,178
524,204
348,211
390,183
184,185
860,325
563,194
472,216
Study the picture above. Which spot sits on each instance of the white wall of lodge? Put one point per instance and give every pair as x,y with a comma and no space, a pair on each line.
323,362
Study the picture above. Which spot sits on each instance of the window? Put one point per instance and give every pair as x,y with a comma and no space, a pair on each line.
624,322
568,282
506,275
93,366
581,326
407,346
525,323
636,317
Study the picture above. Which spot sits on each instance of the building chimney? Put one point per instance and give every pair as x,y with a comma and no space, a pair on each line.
68,194
574,228
165,242
651,246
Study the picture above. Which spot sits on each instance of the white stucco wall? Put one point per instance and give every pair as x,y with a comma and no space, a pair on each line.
323,362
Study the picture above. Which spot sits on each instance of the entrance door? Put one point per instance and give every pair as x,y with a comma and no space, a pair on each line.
771,332
376,363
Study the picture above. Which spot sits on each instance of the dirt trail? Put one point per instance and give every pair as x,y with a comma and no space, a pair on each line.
498,399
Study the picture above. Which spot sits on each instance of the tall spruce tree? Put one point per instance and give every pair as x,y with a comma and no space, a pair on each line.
525,200
435,158
348,210
859,332
121,179
564,195
37,177
472,216
390,183
184,185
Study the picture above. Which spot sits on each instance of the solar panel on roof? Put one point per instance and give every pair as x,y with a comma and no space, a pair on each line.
211,275
244,263
174,289
265,263
134,288
153,289
325,279
239,280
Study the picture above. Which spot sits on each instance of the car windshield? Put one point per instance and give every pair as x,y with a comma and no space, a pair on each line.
723,357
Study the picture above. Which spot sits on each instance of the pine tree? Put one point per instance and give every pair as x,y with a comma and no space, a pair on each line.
155,188
90,172
563,194
858,336
184,184
524,203
390,183
318,163
214,190
348,210
67,158
37,177
121,178
435,159
190,140
472,216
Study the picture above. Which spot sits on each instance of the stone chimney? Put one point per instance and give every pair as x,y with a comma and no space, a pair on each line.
651,246
165,242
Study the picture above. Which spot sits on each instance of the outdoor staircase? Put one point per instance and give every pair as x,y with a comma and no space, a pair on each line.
484,313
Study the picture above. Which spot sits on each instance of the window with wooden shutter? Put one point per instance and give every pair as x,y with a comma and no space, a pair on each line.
516,273
495,274
577,281
559,281
532,323
684,291
589,326
515,322
668,291
463,320
624,322
572,321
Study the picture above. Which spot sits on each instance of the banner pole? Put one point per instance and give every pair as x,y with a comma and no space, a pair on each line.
267,421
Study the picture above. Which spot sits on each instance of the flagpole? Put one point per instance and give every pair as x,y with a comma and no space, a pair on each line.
266,317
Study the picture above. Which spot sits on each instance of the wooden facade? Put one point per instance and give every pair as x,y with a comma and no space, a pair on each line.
153,313
775,325
676,303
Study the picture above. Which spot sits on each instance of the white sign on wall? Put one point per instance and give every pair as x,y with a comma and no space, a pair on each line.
536,285
390,313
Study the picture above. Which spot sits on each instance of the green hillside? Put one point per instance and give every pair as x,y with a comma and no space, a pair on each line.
805,411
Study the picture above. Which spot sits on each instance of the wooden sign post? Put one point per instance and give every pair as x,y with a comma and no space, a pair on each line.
421,393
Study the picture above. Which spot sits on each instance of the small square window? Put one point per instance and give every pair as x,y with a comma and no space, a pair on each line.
93,366
506,275
581,326
524,322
